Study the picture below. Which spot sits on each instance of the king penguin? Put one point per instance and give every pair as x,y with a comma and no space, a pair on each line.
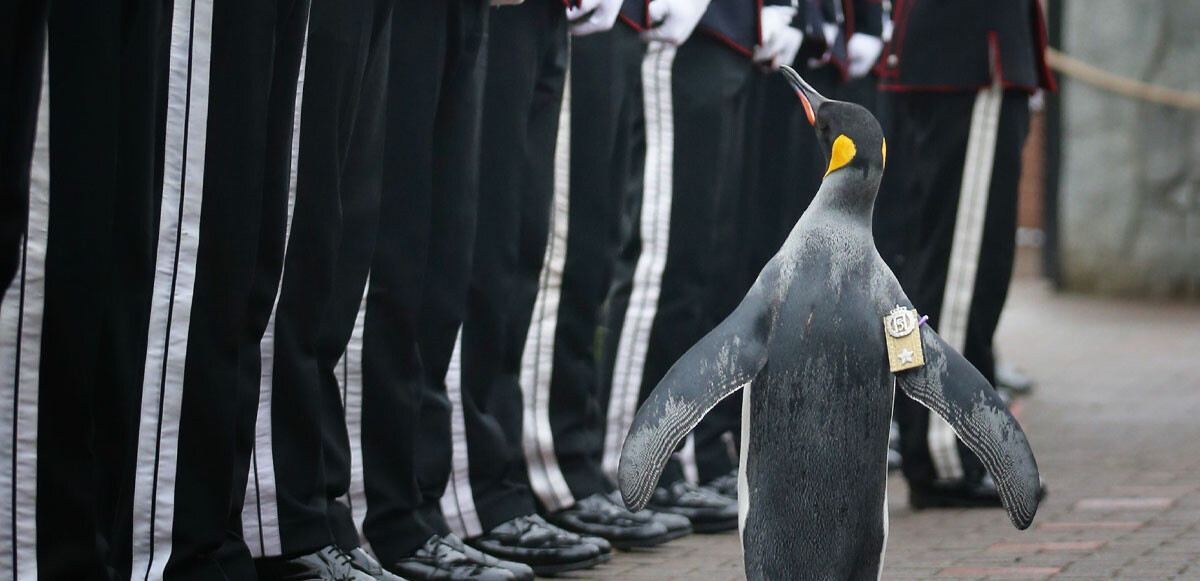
808,346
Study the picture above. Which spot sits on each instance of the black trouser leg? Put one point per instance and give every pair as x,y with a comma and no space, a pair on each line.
215,142
605,101
328,249
24,24
52,313
671,300
279,197
415,300
522,103
361,190
964,187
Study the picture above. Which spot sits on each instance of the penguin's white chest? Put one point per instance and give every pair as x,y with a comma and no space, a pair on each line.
743,497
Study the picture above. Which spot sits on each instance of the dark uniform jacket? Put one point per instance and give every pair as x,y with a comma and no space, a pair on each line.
734,22
850,16
953,45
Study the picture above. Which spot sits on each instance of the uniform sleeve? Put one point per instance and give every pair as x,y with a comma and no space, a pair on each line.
809,20
868,17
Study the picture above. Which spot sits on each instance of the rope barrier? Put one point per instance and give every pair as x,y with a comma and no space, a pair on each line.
1120,85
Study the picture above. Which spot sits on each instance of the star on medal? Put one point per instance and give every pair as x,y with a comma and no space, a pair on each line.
905,356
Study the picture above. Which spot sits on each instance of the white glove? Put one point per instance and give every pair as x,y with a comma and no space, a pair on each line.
830,30
864,50
781,42
593,16
672,21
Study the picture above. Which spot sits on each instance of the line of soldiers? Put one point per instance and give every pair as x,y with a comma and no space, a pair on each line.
370,289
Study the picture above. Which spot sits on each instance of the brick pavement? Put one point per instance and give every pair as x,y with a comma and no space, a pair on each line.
1115,424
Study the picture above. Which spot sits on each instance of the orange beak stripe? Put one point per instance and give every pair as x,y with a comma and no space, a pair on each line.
807,108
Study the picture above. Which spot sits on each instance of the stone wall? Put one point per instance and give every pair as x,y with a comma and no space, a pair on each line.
1130,182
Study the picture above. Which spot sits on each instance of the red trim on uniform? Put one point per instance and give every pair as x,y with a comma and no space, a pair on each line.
758,18
842,67
735,46
848,18
893,88
1047,78
630,22
900,25
995,66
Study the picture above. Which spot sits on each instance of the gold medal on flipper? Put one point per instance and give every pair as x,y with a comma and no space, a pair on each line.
901,329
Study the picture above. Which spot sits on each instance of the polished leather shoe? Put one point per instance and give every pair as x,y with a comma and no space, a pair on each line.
327,564
960,494
596,516
726,484
362,561
709,512
438,560
537,543
677,525
520,571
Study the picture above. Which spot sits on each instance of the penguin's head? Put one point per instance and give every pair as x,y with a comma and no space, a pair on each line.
850,137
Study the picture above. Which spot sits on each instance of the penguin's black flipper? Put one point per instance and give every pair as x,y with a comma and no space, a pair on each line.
720,364
952,388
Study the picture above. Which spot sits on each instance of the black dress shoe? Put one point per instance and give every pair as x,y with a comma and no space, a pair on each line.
362,561
677,525
596,516
960,494
708,511
537,543
327,564
726,484
438,560
520,571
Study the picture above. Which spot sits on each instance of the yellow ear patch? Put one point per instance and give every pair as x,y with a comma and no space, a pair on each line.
884,152
843,152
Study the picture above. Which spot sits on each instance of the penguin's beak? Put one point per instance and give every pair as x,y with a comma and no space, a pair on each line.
809,96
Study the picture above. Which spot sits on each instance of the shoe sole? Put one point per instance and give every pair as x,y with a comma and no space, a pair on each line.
627,544
551,570
708,528
703,528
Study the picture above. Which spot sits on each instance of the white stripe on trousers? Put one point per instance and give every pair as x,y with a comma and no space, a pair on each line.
260,512
351,367
964,259
458,502
655,227
537,358
174,275
20,358
687,459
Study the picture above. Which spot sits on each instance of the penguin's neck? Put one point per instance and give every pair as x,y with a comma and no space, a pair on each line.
849,193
